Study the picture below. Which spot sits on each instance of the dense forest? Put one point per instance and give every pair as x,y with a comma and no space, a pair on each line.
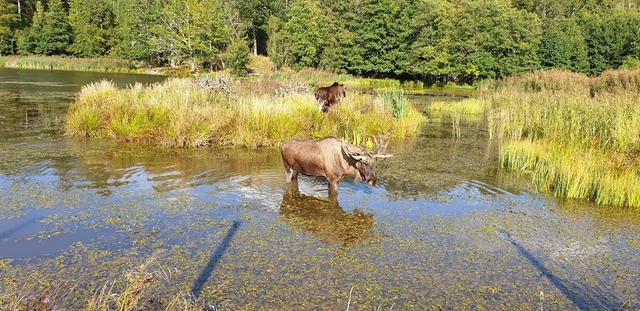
436,41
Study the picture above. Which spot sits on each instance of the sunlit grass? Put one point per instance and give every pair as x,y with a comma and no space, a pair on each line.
578,137
184,113
67,63
466,106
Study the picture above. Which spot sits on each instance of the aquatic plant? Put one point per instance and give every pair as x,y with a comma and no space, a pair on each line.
397,101
577,137
252,113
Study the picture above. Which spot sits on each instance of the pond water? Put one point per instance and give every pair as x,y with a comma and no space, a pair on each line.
443,229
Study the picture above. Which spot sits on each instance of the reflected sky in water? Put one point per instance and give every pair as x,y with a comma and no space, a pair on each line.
444,226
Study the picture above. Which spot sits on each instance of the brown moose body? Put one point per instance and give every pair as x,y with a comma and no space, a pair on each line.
330,158
327,96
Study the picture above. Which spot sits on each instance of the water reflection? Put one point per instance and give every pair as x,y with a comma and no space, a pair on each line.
34,102
99,164
439,202
325,219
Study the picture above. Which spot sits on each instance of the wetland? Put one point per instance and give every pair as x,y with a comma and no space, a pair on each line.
445,228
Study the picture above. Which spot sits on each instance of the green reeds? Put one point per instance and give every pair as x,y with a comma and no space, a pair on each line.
466,106
183,113
573,171
455,109
67,63
578,137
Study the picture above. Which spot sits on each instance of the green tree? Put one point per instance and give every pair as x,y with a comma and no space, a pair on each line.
135,20
429,53
255,14
191,31
564,47
340,49
237,56
494,40
304,33
560,9
93,24
56,31
30,38
383,31
277,47
611,38
8,22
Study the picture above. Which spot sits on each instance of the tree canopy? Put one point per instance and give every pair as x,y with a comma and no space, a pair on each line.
436,41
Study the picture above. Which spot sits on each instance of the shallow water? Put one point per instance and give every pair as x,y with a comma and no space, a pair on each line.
444,228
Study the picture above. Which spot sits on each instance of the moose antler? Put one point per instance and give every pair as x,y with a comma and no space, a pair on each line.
381,143
350,154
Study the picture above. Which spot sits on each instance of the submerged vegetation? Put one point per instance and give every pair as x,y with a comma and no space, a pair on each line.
576,136
222,111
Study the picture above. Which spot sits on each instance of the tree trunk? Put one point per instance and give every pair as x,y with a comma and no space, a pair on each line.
255,41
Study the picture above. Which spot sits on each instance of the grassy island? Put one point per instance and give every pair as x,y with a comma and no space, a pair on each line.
218,110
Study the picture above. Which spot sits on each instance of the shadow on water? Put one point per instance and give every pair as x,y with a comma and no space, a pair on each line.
214,260
11,231
325,219
583,296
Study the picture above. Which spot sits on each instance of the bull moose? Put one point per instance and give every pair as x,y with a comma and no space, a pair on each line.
330,158
327,96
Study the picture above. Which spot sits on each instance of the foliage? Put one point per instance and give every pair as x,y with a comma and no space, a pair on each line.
8,23
383,39
135,20
433,33
430,41
190,30
188,113
563,47
55,34
612,38
304,33
92,22
237,56
494,40
276,46
256,13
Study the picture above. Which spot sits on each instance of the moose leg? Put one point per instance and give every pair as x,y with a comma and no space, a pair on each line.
289,172
333,187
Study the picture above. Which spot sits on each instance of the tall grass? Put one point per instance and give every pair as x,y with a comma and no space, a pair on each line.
578,137
466,106
67,63
252,113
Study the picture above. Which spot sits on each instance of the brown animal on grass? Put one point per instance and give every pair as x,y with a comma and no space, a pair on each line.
328,96
330,158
